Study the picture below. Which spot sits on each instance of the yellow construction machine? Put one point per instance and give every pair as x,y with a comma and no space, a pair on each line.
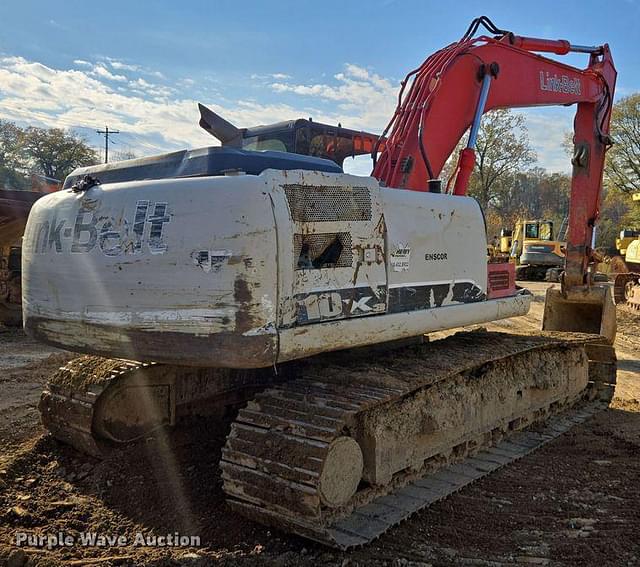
532,245
627,285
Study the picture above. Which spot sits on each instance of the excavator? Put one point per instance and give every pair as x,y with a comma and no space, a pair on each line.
275,284
626,287
296,136
533,247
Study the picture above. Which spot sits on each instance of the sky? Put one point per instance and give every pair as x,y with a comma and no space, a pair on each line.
141,67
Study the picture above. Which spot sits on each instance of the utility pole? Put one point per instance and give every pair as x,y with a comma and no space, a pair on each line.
106,133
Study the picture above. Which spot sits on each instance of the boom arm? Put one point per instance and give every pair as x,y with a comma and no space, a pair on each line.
453,88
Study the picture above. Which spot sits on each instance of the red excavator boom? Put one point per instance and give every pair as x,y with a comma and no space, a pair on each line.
451,90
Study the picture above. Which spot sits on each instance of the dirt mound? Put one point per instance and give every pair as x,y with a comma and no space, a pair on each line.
628,327
565,503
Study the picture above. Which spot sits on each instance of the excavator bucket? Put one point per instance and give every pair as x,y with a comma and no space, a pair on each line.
590,310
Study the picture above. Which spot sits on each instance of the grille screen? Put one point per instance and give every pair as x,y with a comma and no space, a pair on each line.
315,251
325,203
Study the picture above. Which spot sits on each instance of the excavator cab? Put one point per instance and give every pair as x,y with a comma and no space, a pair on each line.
301,136
538,230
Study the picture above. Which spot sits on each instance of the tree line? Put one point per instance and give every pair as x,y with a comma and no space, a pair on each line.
506,182
51,152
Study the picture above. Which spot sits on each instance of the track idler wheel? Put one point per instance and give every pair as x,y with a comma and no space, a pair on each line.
626,289
341,472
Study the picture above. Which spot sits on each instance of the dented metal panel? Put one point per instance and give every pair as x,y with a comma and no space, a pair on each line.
331,247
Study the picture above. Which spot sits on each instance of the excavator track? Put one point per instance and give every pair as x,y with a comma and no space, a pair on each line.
350,450
93,403
343,446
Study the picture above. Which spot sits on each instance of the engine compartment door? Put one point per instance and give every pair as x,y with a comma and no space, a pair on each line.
331,247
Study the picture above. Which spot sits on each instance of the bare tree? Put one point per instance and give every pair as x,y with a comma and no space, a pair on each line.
623,159
503,148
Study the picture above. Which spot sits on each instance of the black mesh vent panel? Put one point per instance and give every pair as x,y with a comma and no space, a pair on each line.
325,203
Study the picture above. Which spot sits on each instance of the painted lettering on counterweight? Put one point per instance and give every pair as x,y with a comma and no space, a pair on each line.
113,237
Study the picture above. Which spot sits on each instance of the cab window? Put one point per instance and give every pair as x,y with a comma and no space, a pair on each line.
531,231
258,143
331,147
546,231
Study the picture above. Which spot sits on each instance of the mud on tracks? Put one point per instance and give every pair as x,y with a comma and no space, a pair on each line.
573,502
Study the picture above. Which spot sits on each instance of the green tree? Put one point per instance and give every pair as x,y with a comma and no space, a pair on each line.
12,158
11,145
56,153
631,218
613,211
623,158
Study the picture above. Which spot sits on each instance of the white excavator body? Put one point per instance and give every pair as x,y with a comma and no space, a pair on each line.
246,271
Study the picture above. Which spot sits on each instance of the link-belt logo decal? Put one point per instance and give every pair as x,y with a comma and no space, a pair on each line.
91,228
562,84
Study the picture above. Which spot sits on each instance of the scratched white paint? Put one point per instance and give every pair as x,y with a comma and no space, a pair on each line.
142,272
266,330
138,289
157,316
312,339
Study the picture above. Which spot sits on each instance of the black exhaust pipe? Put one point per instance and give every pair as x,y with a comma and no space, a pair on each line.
219,128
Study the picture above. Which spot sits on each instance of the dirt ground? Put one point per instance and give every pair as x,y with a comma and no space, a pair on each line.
574,502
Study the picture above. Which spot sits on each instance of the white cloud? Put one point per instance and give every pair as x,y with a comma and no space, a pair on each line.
364,99
270,76
145,87
120,66
155,117
31,93
546,129
103,72
133,68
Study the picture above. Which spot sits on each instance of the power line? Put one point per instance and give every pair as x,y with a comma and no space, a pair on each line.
47,119
106,133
